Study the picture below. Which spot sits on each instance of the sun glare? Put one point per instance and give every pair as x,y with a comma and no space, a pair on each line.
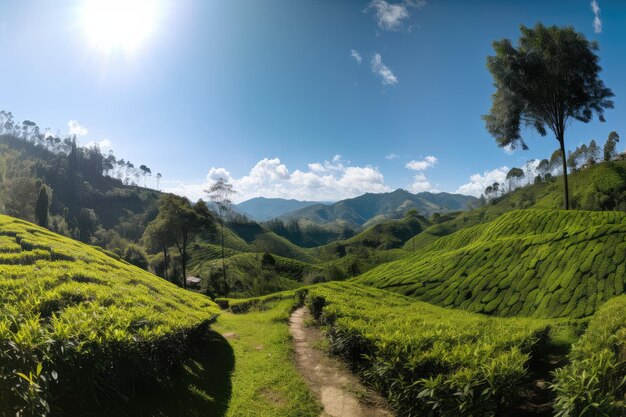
119,24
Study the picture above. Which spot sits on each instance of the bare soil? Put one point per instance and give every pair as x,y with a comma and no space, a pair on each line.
339,391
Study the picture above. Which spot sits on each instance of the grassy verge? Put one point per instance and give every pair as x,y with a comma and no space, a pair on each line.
244,368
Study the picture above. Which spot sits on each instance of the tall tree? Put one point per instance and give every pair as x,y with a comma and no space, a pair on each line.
158,237
549,79
593,152
610,145
556,160
514,176
543,168
183,222
220,193
145,171
41,207
158,178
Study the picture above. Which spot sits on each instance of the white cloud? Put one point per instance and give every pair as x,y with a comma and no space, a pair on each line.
388,78
76,129
478,182
105,145
420,184
597,21
390,16
335,165
391,156
356,55
323,181
217,173
427,162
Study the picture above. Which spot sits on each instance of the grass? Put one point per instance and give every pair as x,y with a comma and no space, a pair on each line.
537,263
66,307
244,368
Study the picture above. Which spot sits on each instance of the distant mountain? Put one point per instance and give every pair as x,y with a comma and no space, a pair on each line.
262,209
369,209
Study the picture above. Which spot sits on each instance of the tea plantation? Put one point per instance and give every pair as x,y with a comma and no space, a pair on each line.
534,263
77,325
427,359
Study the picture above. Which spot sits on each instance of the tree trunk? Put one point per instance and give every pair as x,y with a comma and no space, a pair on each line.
165,260
184,264
182,250
566,189
223,262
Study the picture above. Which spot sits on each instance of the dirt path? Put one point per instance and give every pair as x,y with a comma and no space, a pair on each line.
340,392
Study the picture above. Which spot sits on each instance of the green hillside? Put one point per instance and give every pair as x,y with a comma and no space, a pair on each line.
390,234
249,274
260,239
598,187
538,263
67,307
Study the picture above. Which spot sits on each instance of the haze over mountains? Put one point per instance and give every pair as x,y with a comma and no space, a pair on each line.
368,209
263,209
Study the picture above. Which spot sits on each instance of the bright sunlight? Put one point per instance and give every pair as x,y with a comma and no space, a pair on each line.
113,25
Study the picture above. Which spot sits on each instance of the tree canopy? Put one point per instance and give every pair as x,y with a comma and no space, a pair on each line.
610,145
549,79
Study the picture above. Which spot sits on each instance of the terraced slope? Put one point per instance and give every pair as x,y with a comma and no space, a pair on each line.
66,307
537,263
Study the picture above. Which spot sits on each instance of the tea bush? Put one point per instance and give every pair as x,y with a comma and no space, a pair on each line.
427,360
594,383
77,325
536,263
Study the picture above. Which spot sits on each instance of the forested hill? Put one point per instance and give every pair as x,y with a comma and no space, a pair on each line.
368,209
73,190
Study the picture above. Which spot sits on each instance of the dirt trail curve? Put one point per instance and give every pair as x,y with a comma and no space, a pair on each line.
330,379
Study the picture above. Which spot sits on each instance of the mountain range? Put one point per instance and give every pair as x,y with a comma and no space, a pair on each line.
263,209
370,208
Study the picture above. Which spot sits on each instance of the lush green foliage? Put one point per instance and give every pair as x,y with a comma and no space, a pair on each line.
248,276
428,360
540,263
594,383
548,80
67,308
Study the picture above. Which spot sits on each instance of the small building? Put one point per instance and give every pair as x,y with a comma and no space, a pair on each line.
193,282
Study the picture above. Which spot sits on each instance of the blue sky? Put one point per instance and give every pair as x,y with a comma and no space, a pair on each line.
270,95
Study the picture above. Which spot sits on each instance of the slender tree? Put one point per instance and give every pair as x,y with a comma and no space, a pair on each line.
182,222
219,194
610,145
158,237
41,207
593,152
514,176
145,172
549,79
158,178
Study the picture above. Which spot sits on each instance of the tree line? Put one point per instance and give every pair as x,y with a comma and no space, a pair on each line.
545,171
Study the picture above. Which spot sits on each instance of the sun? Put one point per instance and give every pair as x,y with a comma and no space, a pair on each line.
119,25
